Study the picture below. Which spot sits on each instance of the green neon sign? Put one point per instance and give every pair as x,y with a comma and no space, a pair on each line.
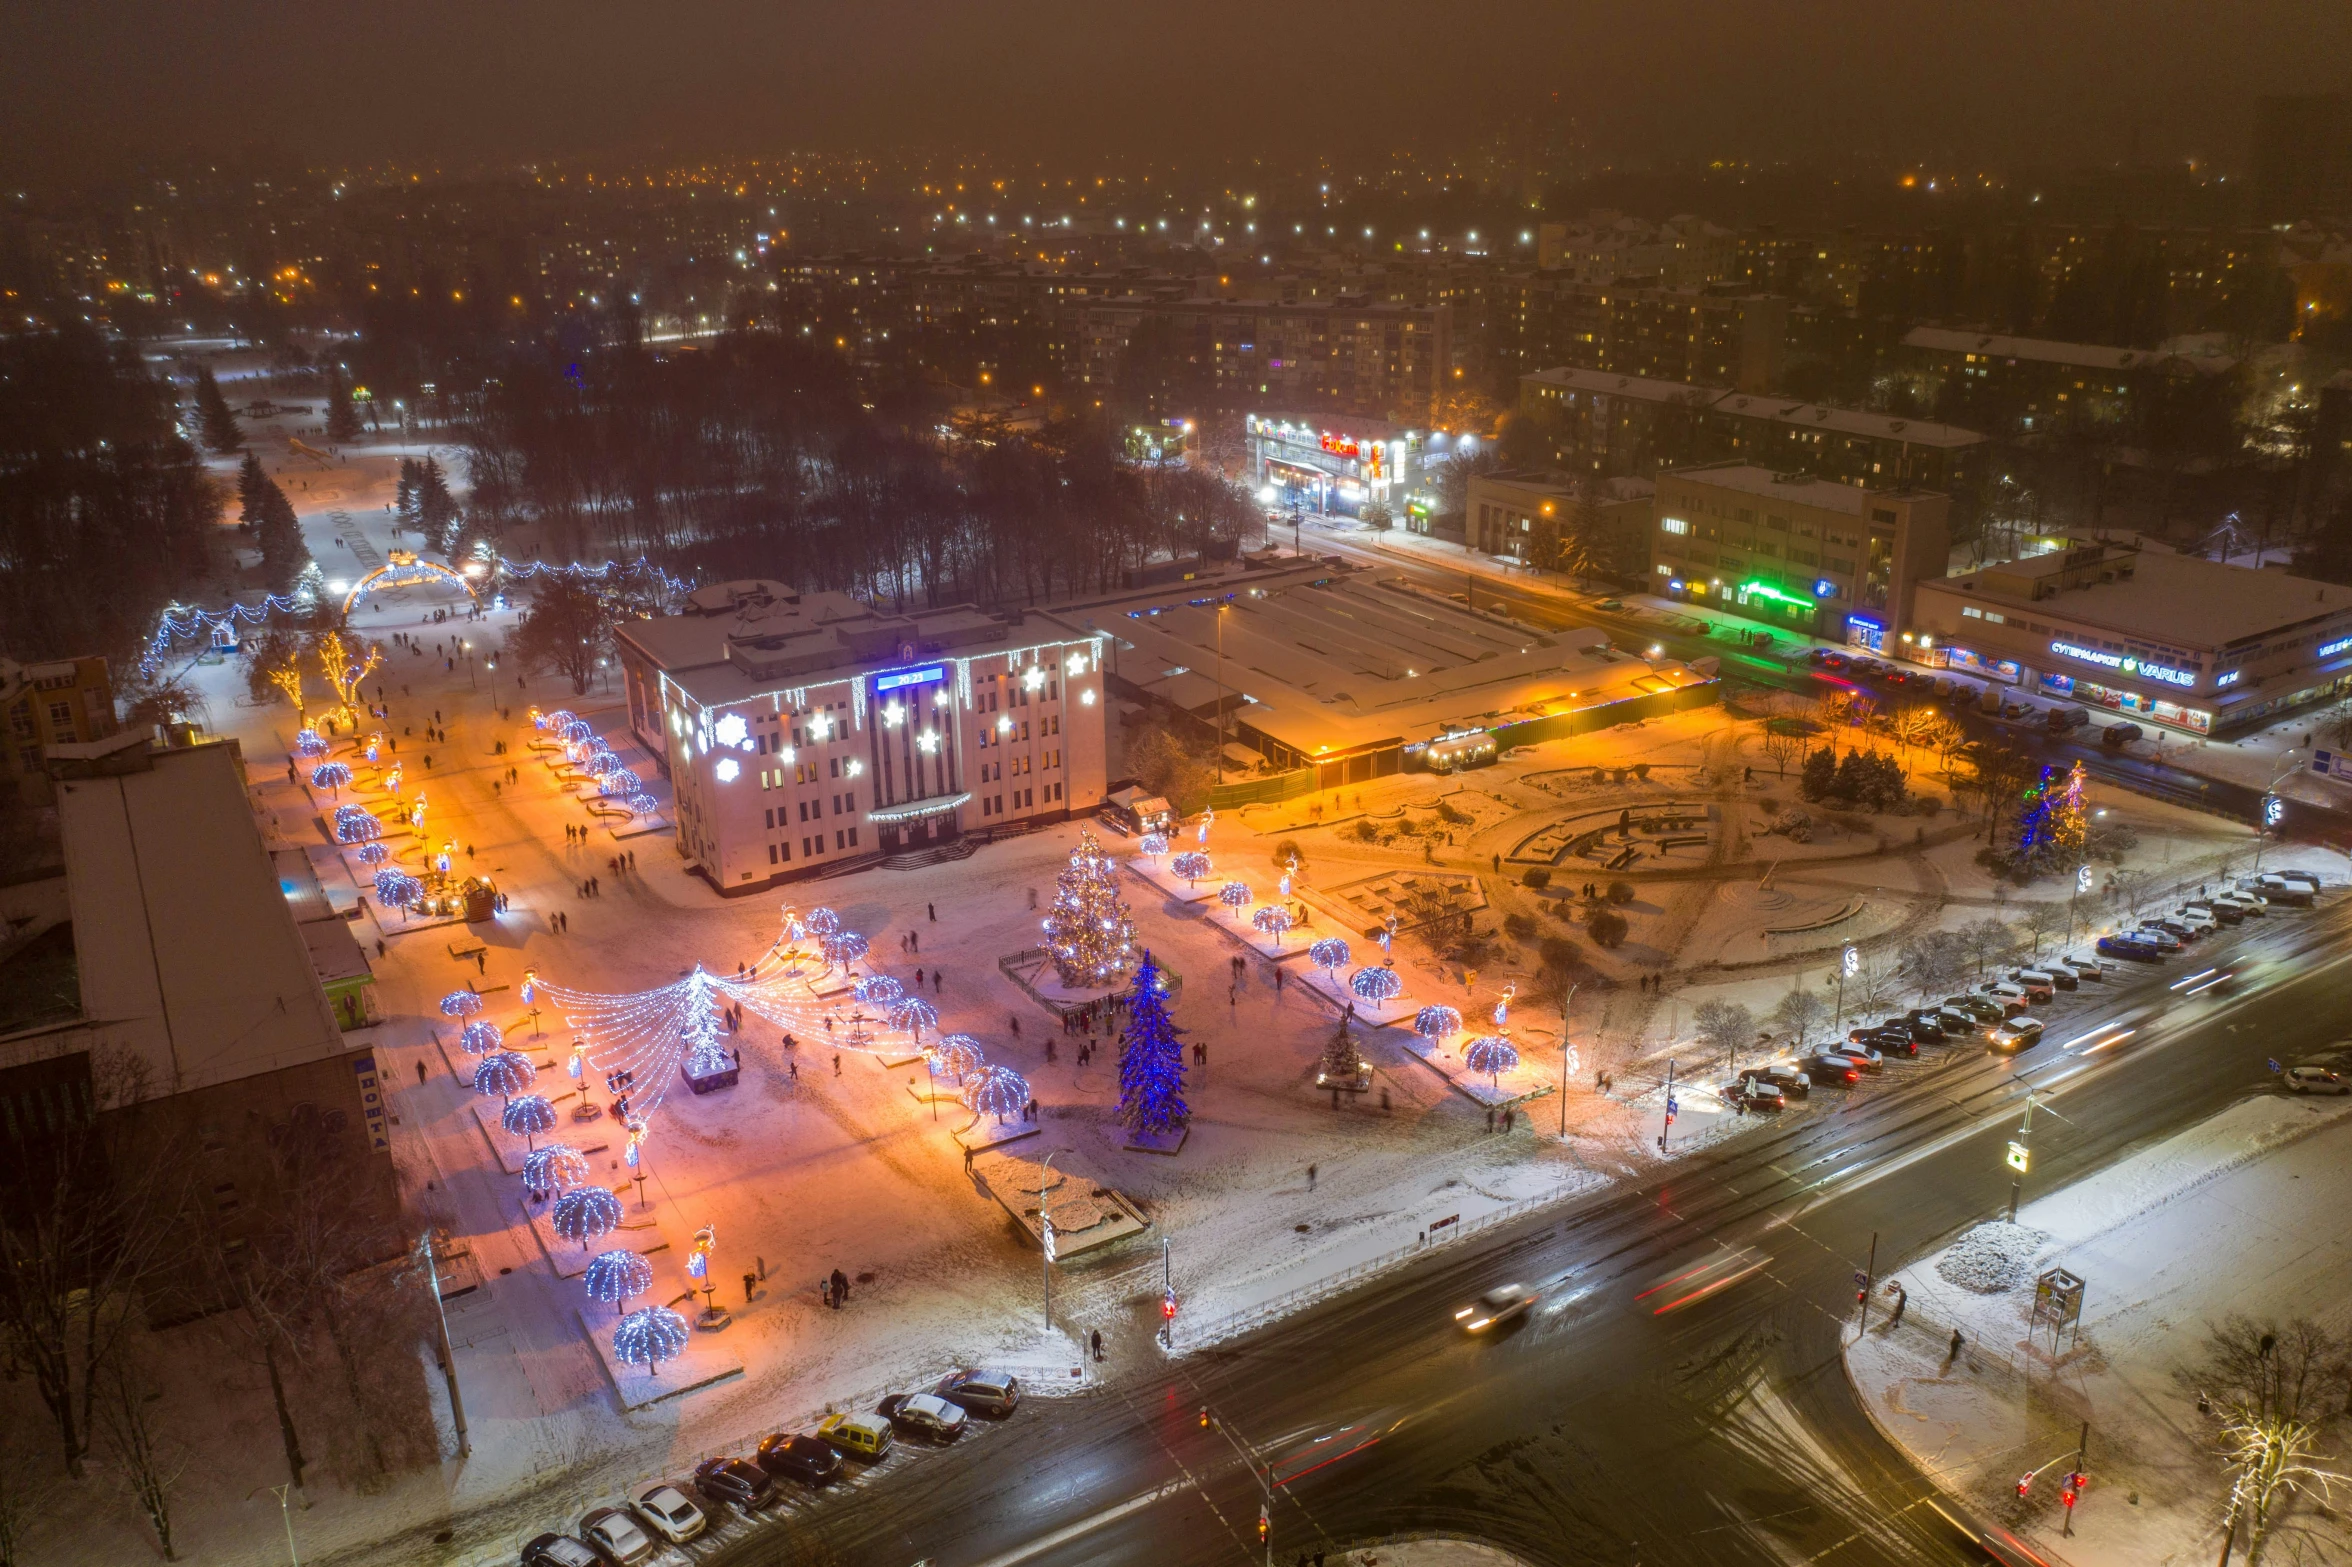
1765,590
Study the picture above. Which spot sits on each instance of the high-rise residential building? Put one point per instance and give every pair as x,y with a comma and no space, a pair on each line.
64,701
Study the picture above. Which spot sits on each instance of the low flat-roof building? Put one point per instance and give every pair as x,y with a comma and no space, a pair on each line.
802,733
1356,678
2144,634
1805,555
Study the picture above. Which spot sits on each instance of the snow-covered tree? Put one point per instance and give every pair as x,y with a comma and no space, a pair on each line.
1151,1062
1088,930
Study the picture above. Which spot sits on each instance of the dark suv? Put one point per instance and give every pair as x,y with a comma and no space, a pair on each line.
736,1480
804,1458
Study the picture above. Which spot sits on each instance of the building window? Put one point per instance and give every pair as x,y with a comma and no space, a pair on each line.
1673,525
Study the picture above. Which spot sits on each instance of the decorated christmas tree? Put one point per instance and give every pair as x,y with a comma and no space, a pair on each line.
1151,1062
1088,930
1342,1065
2052,825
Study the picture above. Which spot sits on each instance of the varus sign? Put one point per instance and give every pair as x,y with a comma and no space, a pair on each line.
2331,649
2127,665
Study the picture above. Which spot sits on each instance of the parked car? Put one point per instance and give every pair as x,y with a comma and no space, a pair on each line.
2084,968
2307,878
1977,1007
2119,735
2039,987
617,1539
2055,972
665,1509
2130,948
2200,922
2019,1033
1835,1071
1753,1093
1900,1040
1868,1057
1943,1020
1505,1303
2277,889
2219,910
558,1550
1958,1023
2064,720
924,1415
865,1437
736,1480
2314,1080
1789,1078
2012,996
803,1457
2180,934
2249,905
995,1394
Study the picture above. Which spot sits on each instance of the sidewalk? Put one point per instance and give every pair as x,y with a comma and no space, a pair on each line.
2236,1213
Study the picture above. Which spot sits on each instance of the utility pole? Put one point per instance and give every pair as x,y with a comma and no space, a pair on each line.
1849,962
2082,1456
1869,1283
465,1443
1045,1231
2020,1156
1264,1477
1566,1050
1220,612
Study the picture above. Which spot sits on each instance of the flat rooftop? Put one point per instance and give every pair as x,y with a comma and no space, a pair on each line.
2179,599
1794,490
1329,661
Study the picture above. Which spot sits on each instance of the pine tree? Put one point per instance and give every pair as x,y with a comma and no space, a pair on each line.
283,554
251,483
436,508
1088,930
342,418
213,418
1342,1065
1151,1062
1819,779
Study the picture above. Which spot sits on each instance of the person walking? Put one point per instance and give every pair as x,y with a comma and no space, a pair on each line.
749,1280
841,1285
1094,1342
1954,1353
1310,1177
1902,1300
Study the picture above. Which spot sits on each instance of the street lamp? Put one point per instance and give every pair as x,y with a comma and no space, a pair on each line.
2020,1157
1567,1050
1045,1231
279,1491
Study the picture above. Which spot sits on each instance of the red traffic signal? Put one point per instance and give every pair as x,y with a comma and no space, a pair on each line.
1168,1306
1265,1524
1204,1417
2067,1496
2024,1483
1861,1297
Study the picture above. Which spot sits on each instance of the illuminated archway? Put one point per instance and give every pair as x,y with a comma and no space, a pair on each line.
405,570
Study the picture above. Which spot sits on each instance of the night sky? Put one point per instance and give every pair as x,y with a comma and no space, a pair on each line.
87,84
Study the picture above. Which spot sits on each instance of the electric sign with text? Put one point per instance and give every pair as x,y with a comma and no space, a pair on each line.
2126,664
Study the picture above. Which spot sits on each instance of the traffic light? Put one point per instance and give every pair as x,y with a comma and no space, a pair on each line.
2074,1485
2025,1482
1204,1417
1265,1524
1168,1306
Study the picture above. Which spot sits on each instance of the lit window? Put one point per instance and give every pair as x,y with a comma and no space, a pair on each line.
1673,525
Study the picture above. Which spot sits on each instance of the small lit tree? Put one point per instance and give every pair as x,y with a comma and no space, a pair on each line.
1088,930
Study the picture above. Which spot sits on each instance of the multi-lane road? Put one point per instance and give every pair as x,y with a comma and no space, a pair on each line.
1600,1431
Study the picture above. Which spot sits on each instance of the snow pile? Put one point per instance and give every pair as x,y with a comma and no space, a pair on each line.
1993,1258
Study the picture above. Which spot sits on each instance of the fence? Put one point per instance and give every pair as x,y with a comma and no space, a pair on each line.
1264,791
1235,1323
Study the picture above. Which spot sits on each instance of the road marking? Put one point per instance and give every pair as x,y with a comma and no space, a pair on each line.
1071,1532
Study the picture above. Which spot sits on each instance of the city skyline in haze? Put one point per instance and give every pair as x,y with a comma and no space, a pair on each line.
140,85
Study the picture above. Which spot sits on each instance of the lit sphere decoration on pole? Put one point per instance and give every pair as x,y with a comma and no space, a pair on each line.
554,1168
617,1277
374,852
648,1336
1330,954
1492,1054
1192,865
878,990
996,1090
309,743
576,731
1437,1024
1154,844
822,921
481,1037
529,1117
1274,920
913,1015
1376,984
585,1214
642,804
619,784
356,824
604,762
1236,896
956,1056
461,1003
504,1073
397,889
843,948
330,775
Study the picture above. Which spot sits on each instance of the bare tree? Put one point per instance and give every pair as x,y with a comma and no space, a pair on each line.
1932,962
2129,886
25,1492
1800,1012
566,629
2044,920
2272,1461
87,1229
2262,1369
1985,940
1724,1026
1784,741
1875,985
146,1461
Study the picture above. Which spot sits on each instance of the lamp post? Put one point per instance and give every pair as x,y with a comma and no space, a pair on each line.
2020,1156
465,1443
1264,1476
279,1491
1045,1231
1566,1049
1220,693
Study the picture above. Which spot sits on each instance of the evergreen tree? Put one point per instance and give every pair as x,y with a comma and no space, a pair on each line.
252,482
1342,1065
436,508
404,495
1151,1062
1820,777
1853,778
1087,930
283,554
342,418
213,418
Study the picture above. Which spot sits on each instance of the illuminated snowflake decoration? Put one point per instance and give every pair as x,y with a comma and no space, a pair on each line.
732,731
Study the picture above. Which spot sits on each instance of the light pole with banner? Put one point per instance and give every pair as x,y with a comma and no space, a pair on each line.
1849,964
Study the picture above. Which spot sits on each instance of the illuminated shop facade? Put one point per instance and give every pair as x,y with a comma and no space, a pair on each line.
2133,634
1303,465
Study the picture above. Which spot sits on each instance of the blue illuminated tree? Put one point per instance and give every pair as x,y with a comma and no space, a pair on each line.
1151,1062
